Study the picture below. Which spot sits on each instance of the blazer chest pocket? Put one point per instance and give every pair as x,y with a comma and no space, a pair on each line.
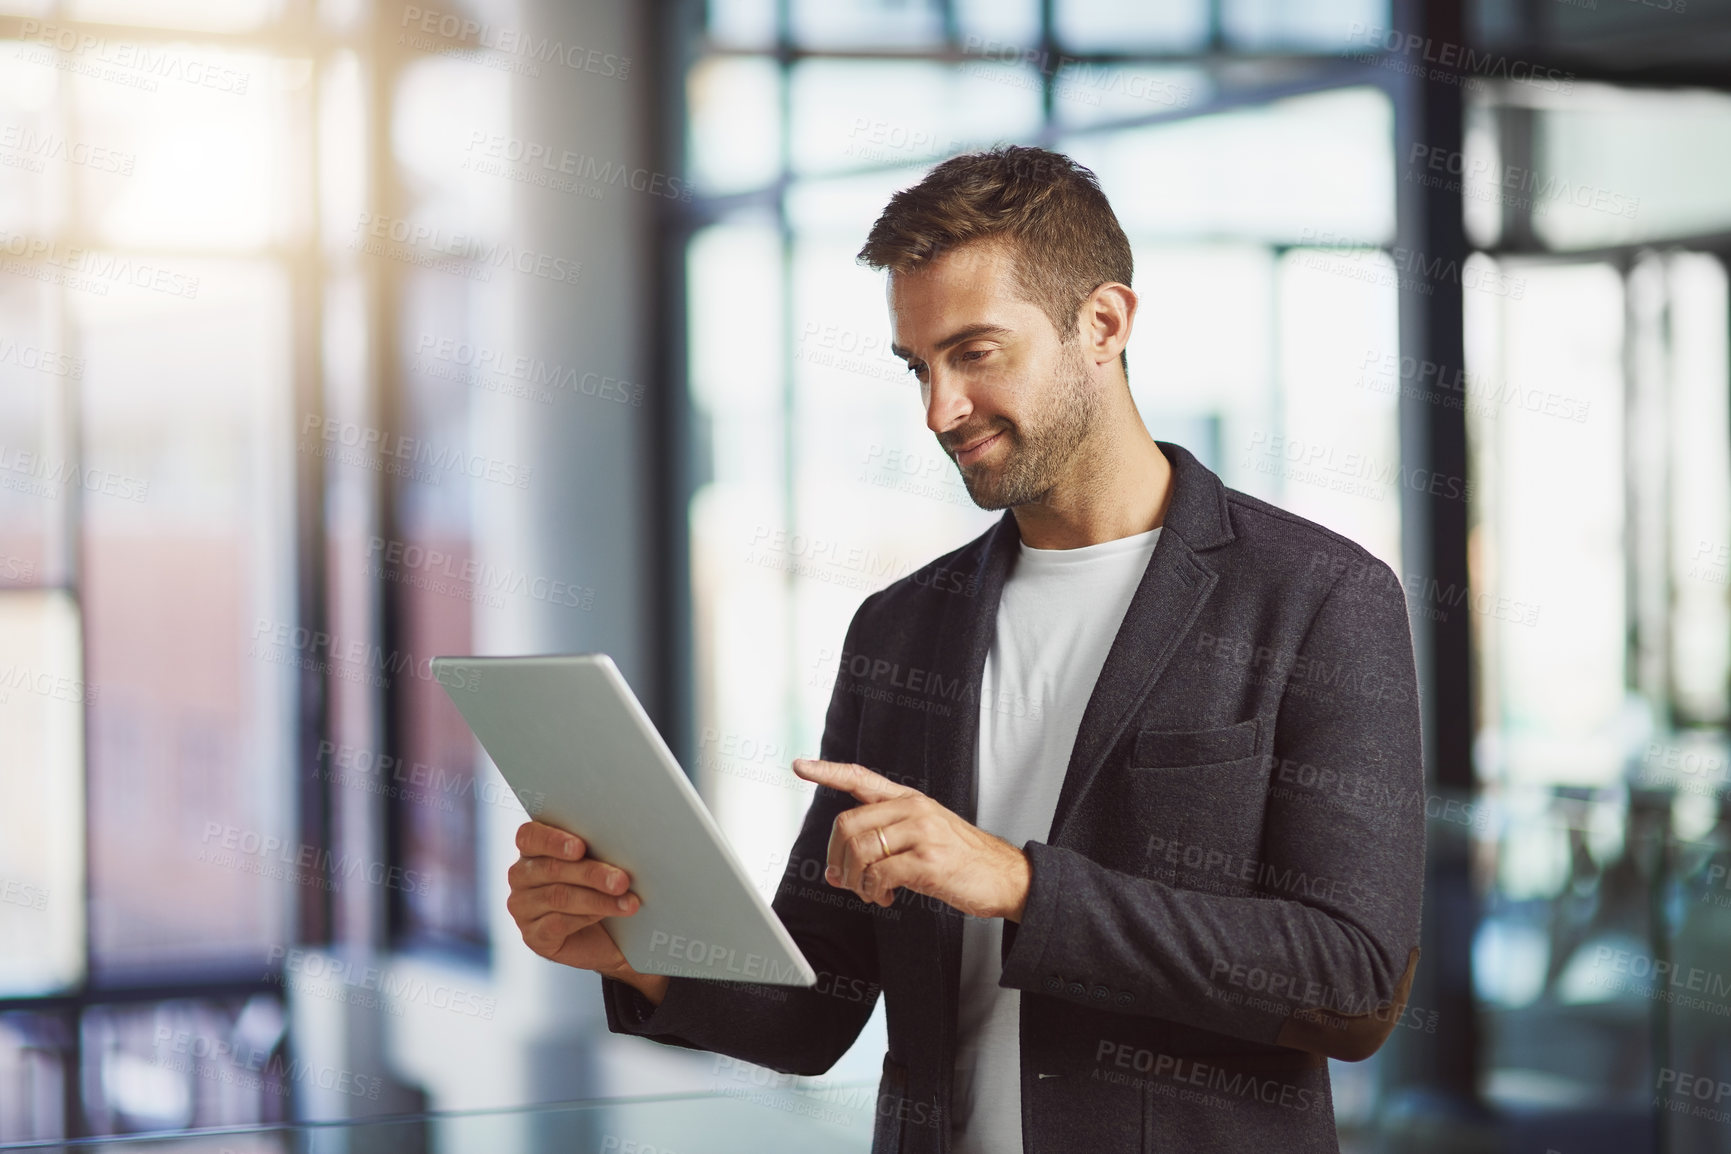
1175,749
1196,800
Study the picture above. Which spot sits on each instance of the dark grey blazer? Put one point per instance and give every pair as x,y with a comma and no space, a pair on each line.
1230,890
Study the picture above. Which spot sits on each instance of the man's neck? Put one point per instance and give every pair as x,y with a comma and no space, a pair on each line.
1118,492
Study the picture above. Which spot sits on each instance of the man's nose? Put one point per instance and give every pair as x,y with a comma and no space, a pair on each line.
946,401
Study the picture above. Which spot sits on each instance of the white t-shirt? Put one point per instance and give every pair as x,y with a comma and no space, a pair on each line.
1061,609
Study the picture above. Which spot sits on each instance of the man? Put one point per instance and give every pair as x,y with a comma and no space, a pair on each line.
1166,853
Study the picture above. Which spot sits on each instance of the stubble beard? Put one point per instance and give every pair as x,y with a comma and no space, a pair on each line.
1038,452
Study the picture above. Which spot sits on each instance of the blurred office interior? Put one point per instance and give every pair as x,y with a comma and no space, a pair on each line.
339,334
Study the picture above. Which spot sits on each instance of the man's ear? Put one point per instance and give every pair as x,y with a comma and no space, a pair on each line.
1105,321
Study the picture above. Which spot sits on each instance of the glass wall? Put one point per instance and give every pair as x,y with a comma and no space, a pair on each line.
1596,407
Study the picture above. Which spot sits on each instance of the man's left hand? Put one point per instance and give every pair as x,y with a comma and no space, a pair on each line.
900,837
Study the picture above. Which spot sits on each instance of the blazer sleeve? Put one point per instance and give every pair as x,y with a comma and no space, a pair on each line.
790,1029
1324,965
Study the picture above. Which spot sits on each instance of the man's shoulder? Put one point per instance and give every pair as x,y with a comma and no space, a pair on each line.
1284,543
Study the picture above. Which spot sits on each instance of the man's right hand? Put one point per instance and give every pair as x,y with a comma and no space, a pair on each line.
559,896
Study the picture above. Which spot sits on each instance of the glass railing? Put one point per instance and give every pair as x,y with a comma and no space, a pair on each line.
835,1118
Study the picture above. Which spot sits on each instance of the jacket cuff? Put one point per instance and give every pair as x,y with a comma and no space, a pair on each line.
1026,949
628,1012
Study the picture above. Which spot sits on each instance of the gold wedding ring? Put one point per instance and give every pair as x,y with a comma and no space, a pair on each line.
883,841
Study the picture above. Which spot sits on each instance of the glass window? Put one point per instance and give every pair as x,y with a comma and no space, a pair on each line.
1318,25
43,694
734,109
191,635
917,113
1307,170
846,24
1615,167
1550,524
1107,26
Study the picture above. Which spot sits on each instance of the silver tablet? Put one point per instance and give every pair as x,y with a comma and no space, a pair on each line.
569,731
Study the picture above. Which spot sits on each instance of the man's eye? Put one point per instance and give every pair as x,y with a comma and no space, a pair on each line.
975,354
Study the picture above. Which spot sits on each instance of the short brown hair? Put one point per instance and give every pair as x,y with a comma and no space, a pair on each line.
1066,239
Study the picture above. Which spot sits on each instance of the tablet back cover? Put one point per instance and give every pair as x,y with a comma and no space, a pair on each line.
568,733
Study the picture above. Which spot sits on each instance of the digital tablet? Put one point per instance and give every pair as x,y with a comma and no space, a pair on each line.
569,734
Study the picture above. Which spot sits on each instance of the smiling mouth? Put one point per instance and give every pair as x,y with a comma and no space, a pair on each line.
972,453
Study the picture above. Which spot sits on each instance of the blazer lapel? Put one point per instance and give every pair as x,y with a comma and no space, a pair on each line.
1168,598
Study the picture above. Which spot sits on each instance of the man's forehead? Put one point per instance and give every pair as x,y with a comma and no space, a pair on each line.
965,286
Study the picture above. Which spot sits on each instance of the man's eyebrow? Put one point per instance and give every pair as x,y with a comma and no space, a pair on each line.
966,333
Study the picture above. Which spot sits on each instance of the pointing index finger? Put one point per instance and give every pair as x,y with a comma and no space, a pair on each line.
849,778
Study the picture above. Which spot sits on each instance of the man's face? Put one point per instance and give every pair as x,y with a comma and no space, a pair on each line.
1010,403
